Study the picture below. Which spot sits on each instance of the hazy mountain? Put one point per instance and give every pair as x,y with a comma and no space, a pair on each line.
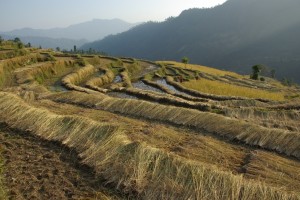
46,42
91,30
66,38
234,36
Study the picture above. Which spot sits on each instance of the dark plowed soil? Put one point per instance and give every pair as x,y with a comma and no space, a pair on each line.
38,169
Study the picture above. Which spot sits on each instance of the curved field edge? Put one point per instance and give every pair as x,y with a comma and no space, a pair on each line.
133,166
286,142
219,88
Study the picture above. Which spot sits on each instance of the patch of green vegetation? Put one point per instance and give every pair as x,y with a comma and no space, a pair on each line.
40,79
134,69
148,76
80,60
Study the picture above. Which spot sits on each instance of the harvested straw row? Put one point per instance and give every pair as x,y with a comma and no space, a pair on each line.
165,99
158,86
173,70
126,81
106,78
110,58
205,76
148,61
126,78
247,113
96,82
183,72
171,81
13,53
72,80
279,170
254,135
147,172
8,66
286,120
244,83
286,106
127,60
169,91
242,103
41,71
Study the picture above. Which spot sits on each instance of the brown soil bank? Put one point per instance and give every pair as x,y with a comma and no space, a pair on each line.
37,169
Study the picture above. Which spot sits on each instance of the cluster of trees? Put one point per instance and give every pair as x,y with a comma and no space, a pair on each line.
18,41
90,51
262,70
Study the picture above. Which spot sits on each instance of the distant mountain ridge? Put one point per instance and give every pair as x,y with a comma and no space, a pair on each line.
90,30
78,33
46,42
232,36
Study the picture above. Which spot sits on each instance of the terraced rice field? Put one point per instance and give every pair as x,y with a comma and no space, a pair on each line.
137,130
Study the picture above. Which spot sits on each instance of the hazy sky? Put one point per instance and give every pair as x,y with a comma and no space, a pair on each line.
60,13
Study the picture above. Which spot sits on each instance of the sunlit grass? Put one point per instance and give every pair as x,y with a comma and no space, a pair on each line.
201,68
219,88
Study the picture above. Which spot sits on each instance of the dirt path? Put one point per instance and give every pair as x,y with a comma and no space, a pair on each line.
38,169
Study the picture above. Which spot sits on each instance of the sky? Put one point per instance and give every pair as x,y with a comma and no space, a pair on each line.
15,14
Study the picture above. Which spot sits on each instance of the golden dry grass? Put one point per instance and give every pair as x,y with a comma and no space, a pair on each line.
209,96
286,142
106,78
42,71
134,166
274,170
154,151
201,68
220,88
166,99
8,66
72,80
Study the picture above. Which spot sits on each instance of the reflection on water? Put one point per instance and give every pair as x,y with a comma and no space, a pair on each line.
57,88
117,79
143,86
164,83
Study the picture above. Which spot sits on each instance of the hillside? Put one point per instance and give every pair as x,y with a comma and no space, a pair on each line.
100,127
233,36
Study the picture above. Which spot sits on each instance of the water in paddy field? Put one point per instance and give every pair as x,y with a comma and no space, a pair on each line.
149,69
121,95
143,86
57,88
164,83
117,79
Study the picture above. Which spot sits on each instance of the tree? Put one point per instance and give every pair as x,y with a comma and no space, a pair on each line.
1,40
17,39
28,45
256,69
75,48
57,49
185,60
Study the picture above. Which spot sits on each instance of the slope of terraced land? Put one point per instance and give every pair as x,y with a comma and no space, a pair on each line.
99,127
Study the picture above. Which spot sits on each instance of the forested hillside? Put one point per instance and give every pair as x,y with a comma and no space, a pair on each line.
235,36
